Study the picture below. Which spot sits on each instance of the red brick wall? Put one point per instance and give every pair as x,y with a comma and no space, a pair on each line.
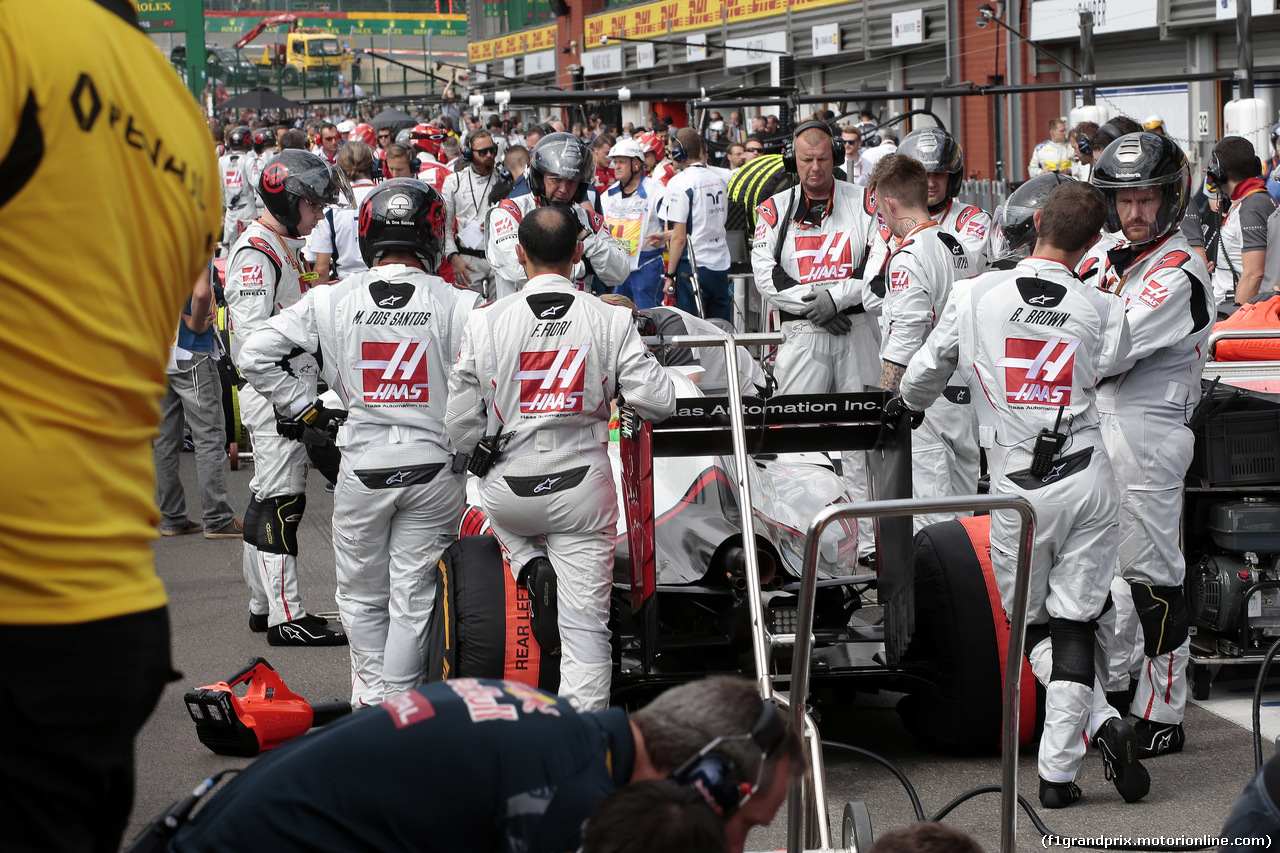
983,55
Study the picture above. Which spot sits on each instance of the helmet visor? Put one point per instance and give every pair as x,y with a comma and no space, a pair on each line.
1013,233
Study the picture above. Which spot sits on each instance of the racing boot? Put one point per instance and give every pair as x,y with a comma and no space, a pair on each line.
1158,738
258,621
304,632
1058,795
1118,743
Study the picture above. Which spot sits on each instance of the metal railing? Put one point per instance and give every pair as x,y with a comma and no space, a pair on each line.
985,194
1239,335
809,793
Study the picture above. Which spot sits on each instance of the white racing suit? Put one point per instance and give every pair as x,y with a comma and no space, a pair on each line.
253,164
964,222
602,255
387,339
826,256
263,278
944,450
539,369
239,203
1145,405
466,205
1030,342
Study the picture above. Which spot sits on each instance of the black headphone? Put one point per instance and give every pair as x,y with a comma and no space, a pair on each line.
1110,130
677,152
789,151
1214,171
465,151
1083,146
718,777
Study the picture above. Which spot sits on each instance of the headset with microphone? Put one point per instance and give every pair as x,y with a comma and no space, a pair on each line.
789,152
718,777
677,152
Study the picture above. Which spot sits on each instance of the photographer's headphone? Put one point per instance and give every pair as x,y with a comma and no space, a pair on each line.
789,151
718,777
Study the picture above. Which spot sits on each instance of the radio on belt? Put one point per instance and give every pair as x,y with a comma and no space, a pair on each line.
1048,445
485,454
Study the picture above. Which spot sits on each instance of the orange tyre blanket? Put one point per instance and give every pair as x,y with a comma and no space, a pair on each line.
1254,315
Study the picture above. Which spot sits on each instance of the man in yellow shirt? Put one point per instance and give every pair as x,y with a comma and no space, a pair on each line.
108,210
1054,154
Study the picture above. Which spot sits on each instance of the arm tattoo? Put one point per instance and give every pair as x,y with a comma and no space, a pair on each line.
891,376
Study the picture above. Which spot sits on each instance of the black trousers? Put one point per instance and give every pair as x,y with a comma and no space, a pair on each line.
72,699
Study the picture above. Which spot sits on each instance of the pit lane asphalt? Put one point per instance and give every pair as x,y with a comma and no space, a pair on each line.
1191,792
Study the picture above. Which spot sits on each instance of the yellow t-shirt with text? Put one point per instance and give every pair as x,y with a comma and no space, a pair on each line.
108,208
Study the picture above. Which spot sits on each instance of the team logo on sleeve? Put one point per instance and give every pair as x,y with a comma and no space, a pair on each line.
968,222
504,226
899,281
263,246
552,381
1154,294
251,276
823,257
768,212
394,372
1039,372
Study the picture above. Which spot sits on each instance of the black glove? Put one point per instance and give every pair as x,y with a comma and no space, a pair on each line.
822,308
840,324
895,409
314,425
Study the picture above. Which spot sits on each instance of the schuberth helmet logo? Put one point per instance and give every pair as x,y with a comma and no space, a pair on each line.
273,177
399,206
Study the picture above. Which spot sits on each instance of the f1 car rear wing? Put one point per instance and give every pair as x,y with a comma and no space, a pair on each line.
791,423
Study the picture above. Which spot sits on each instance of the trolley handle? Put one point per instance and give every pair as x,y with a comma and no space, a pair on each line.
797,809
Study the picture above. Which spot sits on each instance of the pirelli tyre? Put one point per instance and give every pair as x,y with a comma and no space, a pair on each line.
480,624
961,633
752,184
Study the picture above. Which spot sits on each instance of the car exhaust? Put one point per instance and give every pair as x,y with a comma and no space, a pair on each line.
733,563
